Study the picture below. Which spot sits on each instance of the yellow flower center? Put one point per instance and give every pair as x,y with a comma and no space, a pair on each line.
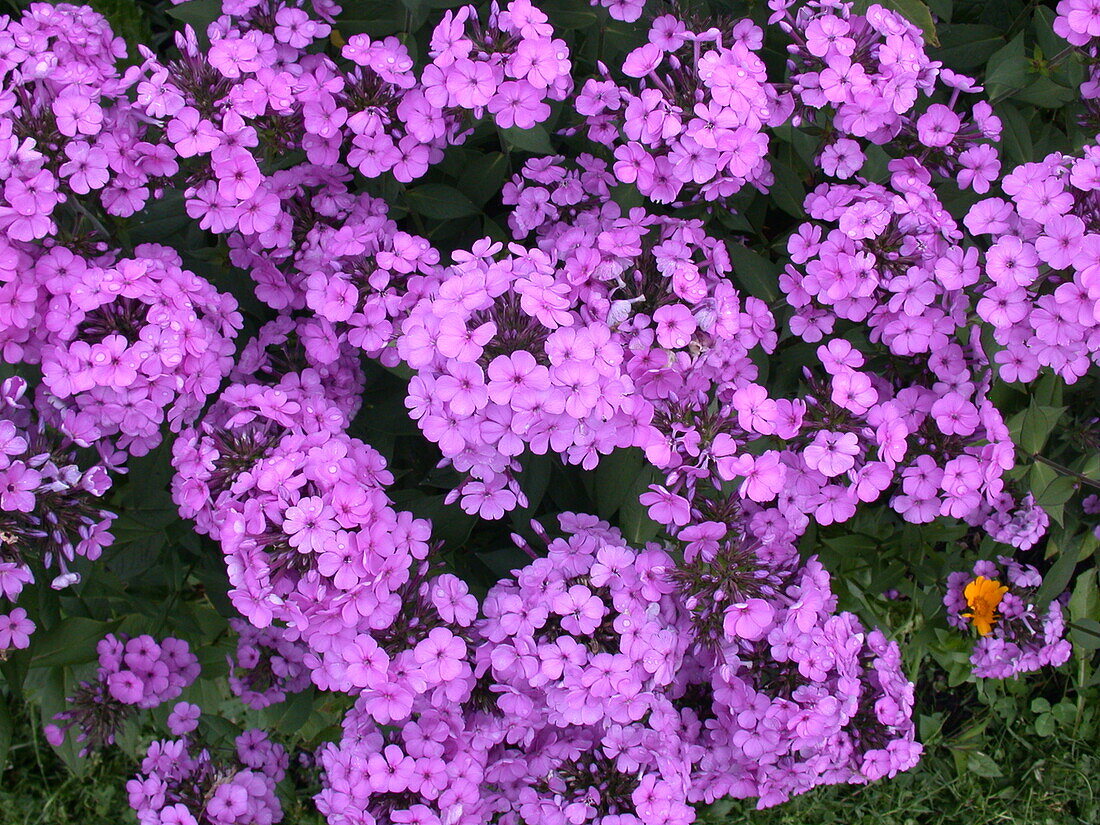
982,597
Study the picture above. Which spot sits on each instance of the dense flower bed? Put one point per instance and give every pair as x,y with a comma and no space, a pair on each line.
758,287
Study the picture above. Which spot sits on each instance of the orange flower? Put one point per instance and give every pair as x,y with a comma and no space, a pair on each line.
982,597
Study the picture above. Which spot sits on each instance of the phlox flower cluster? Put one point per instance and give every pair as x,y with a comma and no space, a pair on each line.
1019,524
801,695
246,424
133,343
214,107
577,347
300,509
429,769
849,441
613,685
418,651
1041,290
392,124
74,150
262,91
72,144
350,265
50,507
582,648
511,67
885,255
183,783
313,545
860,73
601,683
946,449
280,356
259,94
553,195
267,666
1015,635
688,119
133,673
364,275
1076,23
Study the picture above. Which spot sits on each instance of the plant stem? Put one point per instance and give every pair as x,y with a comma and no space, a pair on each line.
1066,471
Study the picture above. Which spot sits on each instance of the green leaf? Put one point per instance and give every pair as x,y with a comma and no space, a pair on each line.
1015,133
634,519
218,730
482,178
754,272
1085,601
533,479
71,641
1007,69
495,231
1065,712
930,725
450,523
616,475
1085,634
1031,428
1051,490
535,140
1043,24
627,196
966,47
1056,579
288,716
160,220
983,765
942,9
1048,390
47,689
571,14
1046,93
441,202
198,13
377,18
127,21
1044,725
787,192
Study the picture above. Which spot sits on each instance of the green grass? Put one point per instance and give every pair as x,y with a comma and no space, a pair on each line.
38,789
1045,781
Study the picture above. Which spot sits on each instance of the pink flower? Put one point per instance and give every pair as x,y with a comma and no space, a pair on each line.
675,325
666,507
192,134
309,524
763,474
440,656
642,60
750,620
938,126
831,453
470,84
15,630
77,113
126,687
